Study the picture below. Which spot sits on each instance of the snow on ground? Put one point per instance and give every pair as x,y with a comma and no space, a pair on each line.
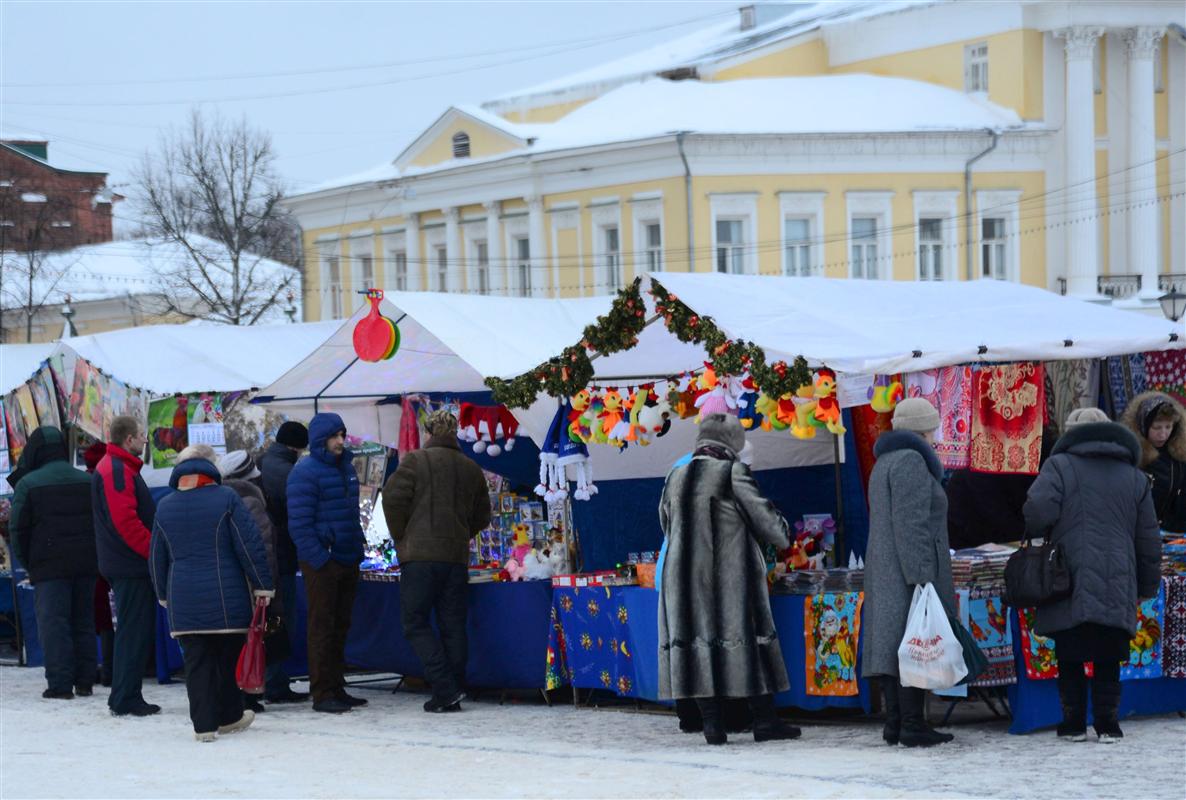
392,748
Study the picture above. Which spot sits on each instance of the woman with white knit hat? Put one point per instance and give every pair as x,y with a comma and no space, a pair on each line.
907,547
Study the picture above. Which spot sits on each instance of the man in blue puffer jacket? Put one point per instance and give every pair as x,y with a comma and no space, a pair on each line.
323,521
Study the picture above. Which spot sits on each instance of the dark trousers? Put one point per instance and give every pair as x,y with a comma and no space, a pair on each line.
425,588
275,676
330,593
214,696
1072,652
65,610
135,631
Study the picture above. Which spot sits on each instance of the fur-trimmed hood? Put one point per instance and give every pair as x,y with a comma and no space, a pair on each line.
1133,419
1100,439
909,440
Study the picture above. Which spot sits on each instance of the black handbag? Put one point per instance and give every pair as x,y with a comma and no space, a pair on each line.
1036,575
974,658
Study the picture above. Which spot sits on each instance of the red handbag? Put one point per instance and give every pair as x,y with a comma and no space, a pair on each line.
249,672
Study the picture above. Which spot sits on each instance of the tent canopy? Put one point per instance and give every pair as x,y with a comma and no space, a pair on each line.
18,362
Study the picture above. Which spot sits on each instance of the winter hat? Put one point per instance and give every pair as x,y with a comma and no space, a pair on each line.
915,414
293,434
723,430
1153,408
203,451
1083,416
93,455
238,465
441,423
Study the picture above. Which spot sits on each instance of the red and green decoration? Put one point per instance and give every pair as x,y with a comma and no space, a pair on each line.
376,338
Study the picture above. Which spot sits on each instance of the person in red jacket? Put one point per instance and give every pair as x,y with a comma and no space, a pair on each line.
124,512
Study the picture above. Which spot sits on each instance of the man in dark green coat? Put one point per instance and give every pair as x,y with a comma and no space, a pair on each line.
53,536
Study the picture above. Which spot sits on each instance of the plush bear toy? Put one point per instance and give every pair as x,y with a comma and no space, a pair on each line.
536,566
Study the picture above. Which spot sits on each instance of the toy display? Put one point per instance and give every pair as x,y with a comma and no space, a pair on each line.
486,426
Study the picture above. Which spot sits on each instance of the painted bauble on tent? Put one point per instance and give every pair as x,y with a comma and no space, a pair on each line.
376,338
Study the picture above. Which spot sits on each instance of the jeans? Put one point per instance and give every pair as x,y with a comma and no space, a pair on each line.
135,632
65,613
330,593
275,676
214,696
426,587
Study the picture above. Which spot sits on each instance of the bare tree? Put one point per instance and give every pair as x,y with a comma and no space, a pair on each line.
35,223
214,182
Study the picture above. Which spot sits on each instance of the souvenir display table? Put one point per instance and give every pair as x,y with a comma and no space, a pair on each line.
607,638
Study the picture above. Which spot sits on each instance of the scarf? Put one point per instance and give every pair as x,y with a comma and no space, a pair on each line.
194,481
716,451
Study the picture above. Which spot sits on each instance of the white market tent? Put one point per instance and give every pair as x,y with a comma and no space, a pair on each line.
19,361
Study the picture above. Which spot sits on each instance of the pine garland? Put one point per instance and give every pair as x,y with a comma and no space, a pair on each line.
619,329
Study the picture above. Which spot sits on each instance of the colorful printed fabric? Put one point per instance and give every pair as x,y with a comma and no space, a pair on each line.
1038,651
1007,409
989,625
1071,384
1144,651
867,425
949,390
1173,654
1165,371
832,628
588,646
1126,379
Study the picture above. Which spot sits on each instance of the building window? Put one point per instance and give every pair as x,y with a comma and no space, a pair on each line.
60,224
461,145
654,246
730,246
483,286
864,247
523,265
976,67
613,260
993,263
797,246
930,249
333,286
442,269
367,271
399,260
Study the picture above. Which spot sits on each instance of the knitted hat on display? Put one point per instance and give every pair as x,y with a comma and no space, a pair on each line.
238,465
915,414
441,423
1082,416
293,434
724,430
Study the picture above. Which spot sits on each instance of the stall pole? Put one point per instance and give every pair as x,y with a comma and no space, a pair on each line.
838,552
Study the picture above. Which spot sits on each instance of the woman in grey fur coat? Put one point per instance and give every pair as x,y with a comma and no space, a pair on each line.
716,632
907,548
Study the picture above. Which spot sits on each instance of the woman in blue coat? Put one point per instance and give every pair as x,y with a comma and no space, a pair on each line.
208,563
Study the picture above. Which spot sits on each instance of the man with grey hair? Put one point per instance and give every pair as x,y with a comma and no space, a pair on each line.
434,503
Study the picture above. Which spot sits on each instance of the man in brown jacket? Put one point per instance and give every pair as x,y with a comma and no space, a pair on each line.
434,504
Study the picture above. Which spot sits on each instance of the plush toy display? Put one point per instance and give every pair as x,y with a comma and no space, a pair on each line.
653,420
827,407
536,566
611,417
485,426
635,404
714,397
512,570
885,393
557,453
578,423
803,427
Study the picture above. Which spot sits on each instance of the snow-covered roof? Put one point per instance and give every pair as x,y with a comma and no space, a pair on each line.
9,139
122,268
823,104
18,362
712,43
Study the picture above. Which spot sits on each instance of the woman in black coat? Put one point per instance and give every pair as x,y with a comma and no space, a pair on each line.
1091,499
1159,422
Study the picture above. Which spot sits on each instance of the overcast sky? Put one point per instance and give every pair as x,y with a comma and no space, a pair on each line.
100,80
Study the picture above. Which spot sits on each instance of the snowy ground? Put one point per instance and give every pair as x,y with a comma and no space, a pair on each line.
392,748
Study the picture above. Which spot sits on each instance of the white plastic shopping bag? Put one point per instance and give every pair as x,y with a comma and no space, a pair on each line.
930,656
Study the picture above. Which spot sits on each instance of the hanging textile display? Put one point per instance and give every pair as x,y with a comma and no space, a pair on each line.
867,425
949,390
1037,650
86,399
1126,379
16,428
45,399
409,428
1165,371
1145,648
1070,385
1173,654
989,625
832,628
1007,410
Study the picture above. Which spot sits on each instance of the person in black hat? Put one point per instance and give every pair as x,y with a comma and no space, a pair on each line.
274,466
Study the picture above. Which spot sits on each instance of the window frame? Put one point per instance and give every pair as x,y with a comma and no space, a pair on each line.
522,264
878,206
461,141
1004,205
440,254
976,68
739,207
807,206
944,206
646,208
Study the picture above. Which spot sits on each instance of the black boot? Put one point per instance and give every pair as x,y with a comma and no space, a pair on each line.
107,642
915,730
1105,707
767,726
1072,695
893,712
710,713
689,716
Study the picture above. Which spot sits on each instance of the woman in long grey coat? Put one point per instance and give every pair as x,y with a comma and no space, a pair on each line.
1092,500
907,547
716,632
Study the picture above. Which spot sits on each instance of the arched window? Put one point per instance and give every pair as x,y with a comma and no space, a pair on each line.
461,145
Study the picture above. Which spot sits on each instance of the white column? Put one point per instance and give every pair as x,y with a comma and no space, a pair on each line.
1083,263
539,261
452,251
412,249
1144,234
497,269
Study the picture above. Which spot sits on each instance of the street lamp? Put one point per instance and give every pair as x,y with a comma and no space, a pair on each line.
1173,304
68,312
291,309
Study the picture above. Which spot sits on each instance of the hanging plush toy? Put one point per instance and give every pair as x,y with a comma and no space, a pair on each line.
653,420
885,393
635,404
611,417
683,397
827,407
578,425
550,486
804,401
713,398
592,418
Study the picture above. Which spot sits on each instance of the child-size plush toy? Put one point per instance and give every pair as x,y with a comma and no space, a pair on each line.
578,424
521,533
714,396
536,566
592,419
636,403
512,570
885,393
611,417
827,407
804,401
653,420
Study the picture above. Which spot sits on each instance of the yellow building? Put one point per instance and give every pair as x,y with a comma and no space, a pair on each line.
1040,142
